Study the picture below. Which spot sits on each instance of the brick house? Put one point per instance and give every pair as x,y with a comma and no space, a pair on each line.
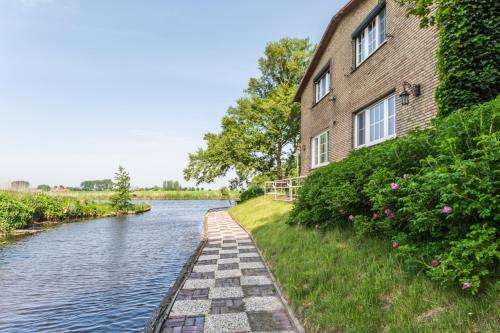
353,93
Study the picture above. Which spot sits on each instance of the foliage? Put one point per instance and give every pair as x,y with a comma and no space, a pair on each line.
336,281
172,185
251,192
43,187
121,198
13,214
258,133
428,193
224,192
468,52
19,210
97,185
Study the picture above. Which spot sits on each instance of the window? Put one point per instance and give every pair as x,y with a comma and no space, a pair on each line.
371,36
375,124
322,86
319,150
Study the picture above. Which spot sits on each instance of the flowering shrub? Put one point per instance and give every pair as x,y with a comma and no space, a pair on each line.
432,195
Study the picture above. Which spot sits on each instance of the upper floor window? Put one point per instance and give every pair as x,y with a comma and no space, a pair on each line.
319,150
375,124
371,34
322,85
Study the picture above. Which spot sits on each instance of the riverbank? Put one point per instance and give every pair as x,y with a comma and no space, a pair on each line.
336,281
28,213
153,195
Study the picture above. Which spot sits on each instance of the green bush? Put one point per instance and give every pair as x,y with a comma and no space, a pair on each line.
432,193
251,192
13,214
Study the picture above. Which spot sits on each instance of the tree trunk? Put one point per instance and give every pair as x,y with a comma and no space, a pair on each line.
279,171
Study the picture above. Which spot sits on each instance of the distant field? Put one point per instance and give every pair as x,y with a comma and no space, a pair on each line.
152,195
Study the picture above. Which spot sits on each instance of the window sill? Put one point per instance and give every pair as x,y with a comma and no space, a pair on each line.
374,143
371,54
320,165
321,99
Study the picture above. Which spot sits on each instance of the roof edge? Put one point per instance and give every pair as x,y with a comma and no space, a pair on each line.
325,39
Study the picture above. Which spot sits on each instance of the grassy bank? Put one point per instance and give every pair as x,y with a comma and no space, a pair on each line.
339,283
22,211
152,195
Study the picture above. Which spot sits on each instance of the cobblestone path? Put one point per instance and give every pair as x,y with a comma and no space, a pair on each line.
229,288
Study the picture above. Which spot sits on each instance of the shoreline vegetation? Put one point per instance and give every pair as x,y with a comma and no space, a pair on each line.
24,213
337,281
153,195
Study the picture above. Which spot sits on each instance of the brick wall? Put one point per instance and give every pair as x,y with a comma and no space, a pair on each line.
409,54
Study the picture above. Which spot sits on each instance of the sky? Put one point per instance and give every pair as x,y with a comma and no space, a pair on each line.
87,85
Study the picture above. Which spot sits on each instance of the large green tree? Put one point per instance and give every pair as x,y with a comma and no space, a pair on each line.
259,133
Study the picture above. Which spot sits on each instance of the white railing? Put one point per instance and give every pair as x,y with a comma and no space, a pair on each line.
285,189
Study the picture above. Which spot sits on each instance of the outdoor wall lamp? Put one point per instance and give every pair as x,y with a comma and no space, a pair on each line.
408,88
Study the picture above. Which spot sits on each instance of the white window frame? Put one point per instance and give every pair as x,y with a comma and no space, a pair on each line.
321,91
385,102
316,149
362,40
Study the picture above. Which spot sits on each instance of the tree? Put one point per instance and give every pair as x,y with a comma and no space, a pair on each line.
97,185
121,198
259,133
172,185
43,187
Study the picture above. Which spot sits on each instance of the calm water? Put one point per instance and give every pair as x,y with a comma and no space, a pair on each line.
106,275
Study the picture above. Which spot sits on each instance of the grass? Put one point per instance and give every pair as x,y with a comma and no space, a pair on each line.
337,282
151,195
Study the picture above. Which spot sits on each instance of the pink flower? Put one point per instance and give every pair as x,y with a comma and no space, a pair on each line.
466,285
394,186
387,211
375,216
351,217
391,215
395,245
446,209
434,262
341,210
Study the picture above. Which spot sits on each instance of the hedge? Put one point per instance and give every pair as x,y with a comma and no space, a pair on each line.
431,194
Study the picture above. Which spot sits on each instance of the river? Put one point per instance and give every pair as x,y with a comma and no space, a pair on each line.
104,275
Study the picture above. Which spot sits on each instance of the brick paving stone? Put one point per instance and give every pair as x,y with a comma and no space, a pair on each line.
229,241
265,290
202,275
227,305
209,252
228,255
189,294
185,324
233,265
254,272
269,321
240,250
250,259
228,282
207,262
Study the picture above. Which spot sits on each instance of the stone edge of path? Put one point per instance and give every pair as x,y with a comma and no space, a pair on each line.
284,300
155,324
